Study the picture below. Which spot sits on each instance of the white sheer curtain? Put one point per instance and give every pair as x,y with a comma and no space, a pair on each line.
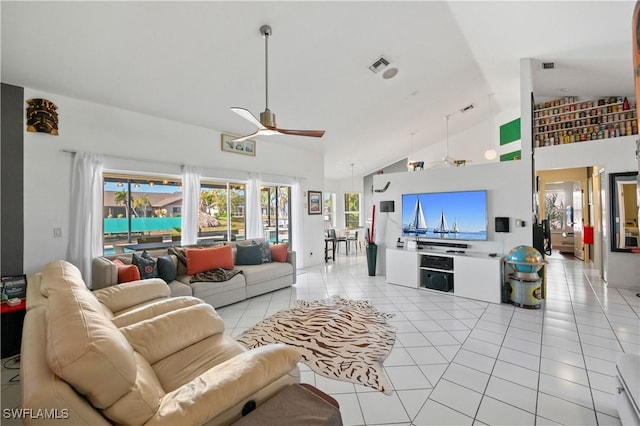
297,227
85,218
190,204
254,225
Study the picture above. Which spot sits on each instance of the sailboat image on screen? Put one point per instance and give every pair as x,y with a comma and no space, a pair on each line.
418,224
442,227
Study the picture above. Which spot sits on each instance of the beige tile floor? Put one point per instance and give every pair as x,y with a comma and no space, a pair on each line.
460,361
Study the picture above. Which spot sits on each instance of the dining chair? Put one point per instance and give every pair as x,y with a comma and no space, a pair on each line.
330,245
342,239
352,238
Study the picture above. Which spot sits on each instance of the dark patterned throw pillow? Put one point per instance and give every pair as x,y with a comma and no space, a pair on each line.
146,265
265,251
166,268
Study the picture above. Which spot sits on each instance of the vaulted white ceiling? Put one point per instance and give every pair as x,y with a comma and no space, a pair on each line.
191,61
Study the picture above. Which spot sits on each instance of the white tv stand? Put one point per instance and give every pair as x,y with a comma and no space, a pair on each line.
474,275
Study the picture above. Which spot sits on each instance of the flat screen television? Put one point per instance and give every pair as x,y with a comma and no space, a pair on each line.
459,215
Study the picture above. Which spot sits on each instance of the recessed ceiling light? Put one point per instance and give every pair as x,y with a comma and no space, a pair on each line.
390,73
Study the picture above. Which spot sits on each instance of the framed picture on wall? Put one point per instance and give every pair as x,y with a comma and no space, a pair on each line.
246,147
314,202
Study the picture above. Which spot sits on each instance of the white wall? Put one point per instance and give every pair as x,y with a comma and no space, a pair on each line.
507,195
614,155
141,143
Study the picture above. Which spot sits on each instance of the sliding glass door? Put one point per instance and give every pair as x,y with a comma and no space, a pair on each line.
276,210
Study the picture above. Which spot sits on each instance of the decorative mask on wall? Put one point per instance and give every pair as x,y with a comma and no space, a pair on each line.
42,116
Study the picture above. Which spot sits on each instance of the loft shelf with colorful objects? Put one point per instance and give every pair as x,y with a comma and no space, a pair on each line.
569,120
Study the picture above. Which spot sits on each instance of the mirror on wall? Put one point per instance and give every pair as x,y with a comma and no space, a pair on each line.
625,235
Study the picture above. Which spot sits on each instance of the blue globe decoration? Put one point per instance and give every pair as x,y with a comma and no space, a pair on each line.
525,259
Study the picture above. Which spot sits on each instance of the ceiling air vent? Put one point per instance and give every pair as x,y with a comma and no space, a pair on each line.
467,108
548,65
380,64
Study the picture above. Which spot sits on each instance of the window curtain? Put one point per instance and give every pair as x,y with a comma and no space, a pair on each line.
297,228
190,204
85,218
255,227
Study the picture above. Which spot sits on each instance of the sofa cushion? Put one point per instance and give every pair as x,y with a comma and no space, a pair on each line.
151,310
126,273
255,274
279,252
186,326
205,259
167,268
187,364
60,275
146,264
248,255
84,348
139,404
120,297
205,289
221,387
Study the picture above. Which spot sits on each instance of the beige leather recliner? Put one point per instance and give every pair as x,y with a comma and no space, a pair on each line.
153,362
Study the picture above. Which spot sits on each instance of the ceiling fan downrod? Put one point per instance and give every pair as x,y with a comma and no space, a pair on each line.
267,118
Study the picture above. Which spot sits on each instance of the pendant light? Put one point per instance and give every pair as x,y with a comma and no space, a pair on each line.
409,159
490,153
352,178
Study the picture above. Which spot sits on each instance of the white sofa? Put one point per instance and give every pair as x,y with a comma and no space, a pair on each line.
130,355
254,280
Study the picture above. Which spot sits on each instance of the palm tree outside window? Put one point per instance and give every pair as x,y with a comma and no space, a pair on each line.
352,210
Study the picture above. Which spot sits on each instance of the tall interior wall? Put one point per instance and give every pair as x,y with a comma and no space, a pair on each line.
135,142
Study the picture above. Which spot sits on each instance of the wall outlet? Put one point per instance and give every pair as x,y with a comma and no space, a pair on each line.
57,232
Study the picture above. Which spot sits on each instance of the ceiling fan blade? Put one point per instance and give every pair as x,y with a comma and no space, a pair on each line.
244,138
248,116
310,133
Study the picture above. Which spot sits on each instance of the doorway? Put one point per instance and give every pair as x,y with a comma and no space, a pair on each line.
570,200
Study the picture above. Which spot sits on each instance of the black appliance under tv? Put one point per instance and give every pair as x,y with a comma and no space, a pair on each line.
436,280
456,215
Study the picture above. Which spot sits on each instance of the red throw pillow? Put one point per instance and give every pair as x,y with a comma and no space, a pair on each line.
206,259
126,273
279,252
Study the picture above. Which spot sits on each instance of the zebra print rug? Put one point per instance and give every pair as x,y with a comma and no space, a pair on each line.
337,338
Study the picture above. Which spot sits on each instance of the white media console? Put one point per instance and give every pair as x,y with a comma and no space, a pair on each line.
467,274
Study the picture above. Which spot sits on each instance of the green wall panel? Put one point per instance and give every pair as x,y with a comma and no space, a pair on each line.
515,155
510,132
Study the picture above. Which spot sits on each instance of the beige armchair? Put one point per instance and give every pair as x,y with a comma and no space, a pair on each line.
152,363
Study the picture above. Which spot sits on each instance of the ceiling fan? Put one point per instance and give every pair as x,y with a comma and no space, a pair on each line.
267,123
447,160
